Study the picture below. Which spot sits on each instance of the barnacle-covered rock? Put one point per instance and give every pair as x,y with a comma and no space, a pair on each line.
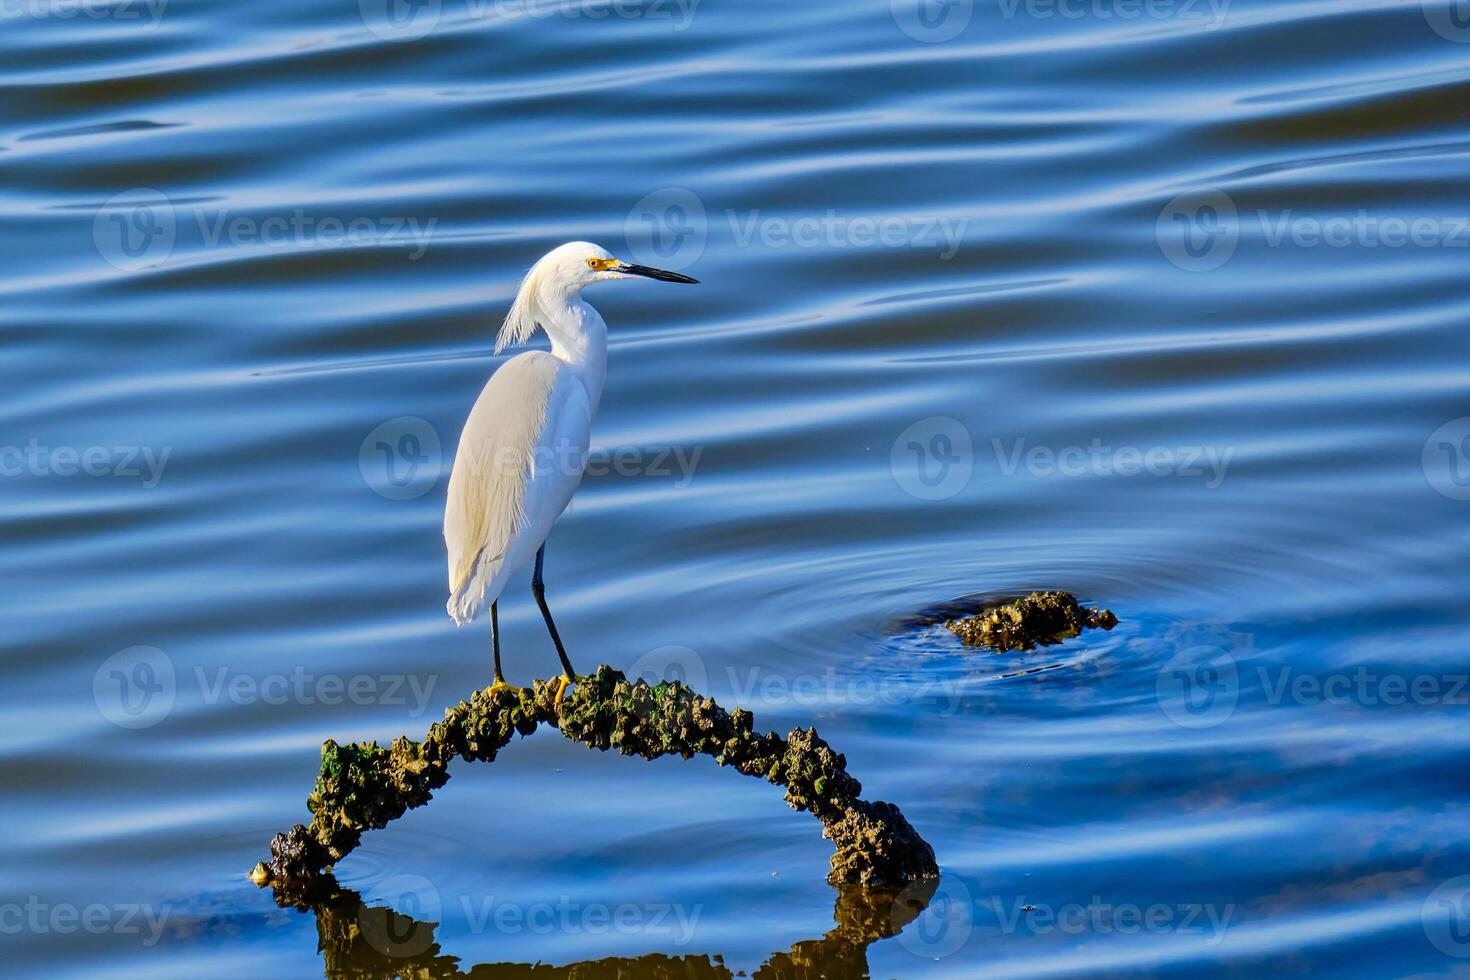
1041,618
364,786
876,845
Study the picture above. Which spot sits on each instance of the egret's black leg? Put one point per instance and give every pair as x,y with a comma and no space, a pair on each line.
495,640
538,588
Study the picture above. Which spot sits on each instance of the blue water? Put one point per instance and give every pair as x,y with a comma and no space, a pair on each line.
1161,304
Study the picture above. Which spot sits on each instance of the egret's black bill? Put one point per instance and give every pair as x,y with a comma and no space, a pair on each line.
662,275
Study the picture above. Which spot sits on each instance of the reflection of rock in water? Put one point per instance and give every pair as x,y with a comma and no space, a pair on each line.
364,786
1042,618
362,942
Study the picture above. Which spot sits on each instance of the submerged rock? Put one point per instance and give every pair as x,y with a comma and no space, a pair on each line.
365,786
1041,618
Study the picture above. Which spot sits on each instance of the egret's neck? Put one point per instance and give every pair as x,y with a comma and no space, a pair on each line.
579,337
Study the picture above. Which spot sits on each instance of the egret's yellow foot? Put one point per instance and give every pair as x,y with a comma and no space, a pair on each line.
499,683
563,682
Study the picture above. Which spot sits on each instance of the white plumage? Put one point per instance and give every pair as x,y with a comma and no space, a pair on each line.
524,446
513,475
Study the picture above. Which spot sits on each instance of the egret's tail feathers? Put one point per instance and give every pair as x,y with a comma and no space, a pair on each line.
465,605
460,611
466,601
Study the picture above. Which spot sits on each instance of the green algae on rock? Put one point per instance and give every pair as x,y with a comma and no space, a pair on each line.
365,786
1041,618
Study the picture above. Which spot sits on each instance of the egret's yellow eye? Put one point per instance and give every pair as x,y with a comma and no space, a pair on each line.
591,263
601,265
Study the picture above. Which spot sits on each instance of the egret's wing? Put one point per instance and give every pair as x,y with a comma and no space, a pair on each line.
494,463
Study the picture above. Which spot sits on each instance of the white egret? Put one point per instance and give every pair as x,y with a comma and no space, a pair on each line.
524,445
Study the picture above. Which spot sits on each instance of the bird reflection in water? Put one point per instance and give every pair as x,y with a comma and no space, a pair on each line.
365,942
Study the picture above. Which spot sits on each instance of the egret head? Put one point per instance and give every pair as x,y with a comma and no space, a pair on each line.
583,263
559,277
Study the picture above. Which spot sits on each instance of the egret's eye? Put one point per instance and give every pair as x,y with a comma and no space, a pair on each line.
591,263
